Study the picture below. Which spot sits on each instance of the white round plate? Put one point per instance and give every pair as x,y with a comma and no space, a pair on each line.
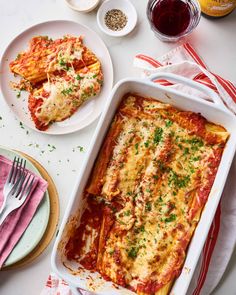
35,230
89,111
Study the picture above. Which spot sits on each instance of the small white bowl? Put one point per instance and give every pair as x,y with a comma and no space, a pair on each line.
126,7
82,5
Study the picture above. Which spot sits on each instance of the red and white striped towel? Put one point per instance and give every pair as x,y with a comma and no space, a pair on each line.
219,245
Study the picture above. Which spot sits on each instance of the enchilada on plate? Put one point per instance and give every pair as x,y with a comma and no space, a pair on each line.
60,75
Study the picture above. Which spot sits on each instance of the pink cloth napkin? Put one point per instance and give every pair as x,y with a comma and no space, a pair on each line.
18,220
219,245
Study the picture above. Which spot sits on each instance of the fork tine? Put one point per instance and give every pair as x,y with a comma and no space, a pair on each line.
24,165
20,168
12,170
29,188
14,178
22,191
18,186
21,162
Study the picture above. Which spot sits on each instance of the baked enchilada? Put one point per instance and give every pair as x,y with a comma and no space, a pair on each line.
145,194
60,76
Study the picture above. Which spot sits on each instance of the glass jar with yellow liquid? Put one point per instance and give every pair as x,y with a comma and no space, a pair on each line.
217,8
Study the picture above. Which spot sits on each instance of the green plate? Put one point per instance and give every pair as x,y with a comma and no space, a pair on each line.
38,224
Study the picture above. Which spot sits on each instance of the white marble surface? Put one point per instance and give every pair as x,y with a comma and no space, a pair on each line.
215,40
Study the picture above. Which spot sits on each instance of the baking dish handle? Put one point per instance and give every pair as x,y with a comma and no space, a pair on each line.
176,78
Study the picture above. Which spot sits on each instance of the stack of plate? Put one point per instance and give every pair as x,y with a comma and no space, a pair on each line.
42,227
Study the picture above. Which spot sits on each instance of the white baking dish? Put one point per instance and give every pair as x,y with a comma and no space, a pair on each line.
214,111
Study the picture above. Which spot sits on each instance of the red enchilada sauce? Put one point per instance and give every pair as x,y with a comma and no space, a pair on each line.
90,223
90,220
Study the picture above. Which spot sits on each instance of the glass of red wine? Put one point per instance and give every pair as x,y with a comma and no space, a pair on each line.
173,19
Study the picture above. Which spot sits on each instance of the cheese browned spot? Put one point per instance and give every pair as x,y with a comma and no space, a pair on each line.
153,189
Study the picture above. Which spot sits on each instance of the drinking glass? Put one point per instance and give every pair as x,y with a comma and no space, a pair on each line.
171,20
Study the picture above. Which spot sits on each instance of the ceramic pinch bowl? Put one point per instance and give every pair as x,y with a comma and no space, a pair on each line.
126,7
82,5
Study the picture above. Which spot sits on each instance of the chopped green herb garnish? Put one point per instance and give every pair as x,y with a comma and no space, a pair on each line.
62,62
135,197
172,133
121,222
146,144
161,166
142,228
186,151
192,170
158,135
67,91
155,177
133,252
160,199
196,158
169,123
81,149
171,218
136,148
178,181
195,142
148,206
78,77
18,94
127,213
177,138
159,202
21,125
52,147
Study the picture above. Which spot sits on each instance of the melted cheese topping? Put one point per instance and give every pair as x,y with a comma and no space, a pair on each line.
64,96
161,174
